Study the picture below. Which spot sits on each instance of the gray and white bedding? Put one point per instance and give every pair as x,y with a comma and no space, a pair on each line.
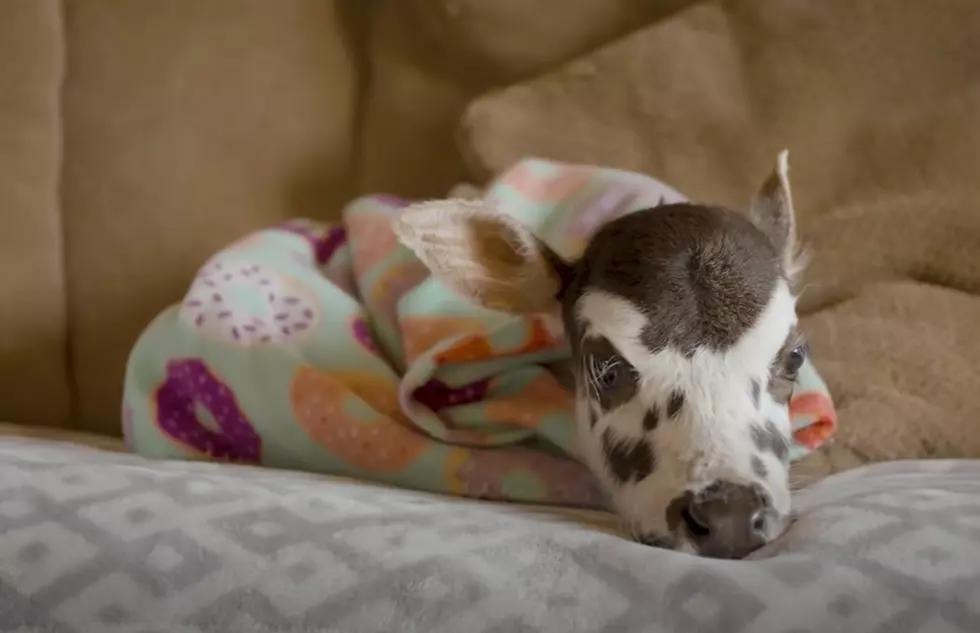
104,542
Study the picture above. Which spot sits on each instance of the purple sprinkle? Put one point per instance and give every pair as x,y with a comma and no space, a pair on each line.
199,321
249,328
272,296
224,314
308,313
291,300
282,316
216,297
192,303
255,268
218,266
299,326
234,333
285,330
264,282
227,277
209,283
264,339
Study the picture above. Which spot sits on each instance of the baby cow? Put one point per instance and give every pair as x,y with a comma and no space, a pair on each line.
682,325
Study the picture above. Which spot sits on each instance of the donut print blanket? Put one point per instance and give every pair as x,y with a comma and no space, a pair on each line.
329,348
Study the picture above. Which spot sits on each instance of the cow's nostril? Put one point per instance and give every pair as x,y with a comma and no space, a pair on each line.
696,527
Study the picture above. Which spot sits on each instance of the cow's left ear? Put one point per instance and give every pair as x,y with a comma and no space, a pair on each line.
772,212
485,255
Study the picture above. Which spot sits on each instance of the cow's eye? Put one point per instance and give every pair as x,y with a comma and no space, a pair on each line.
796,359
610,376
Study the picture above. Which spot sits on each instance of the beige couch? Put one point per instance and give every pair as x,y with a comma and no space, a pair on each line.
138,137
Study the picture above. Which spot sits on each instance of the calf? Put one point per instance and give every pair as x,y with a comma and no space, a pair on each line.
682,325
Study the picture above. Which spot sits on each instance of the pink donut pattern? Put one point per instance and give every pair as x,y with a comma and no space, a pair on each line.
394,284
243,304
600,209
189,384
374,240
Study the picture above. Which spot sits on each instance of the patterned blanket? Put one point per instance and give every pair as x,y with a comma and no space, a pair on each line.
329,348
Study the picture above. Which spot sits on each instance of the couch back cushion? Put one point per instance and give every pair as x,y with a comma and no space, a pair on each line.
33,367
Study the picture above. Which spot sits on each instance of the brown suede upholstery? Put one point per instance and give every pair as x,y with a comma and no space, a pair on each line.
137,137
34,386
186,125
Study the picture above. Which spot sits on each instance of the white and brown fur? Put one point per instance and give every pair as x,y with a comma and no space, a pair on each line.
682,324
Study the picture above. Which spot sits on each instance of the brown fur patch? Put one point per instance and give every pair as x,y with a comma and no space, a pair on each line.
767,437
597,352
702,275
628,459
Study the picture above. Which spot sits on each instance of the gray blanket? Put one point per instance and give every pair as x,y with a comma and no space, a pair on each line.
100,542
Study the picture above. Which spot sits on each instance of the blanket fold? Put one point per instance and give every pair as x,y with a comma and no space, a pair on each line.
330,348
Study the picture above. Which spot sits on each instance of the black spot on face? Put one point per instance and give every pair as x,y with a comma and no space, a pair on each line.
786,366
759,467
768,438
651,419
701,275
610,380
756,391
675,403
628,459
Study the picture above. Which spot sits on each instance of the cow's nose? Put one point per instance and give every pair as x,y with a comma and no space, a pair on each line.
728,519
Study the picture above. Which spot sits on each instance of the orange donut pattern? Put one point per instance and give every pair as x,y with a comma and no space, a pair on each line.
373,440
422,333
538,399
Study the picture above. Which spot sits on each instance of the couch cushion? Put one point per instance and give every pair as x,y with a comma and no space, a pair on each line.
32,291
187,125
879,109
428,58
516,39
96,541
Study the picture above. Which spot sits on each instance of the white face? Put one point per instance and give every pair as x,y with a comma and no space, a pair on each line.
658,429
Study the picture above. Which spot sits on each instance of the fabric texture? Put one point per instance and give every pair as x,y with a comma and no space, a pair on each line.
878,105
93,542
331,348
34,370
187,124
